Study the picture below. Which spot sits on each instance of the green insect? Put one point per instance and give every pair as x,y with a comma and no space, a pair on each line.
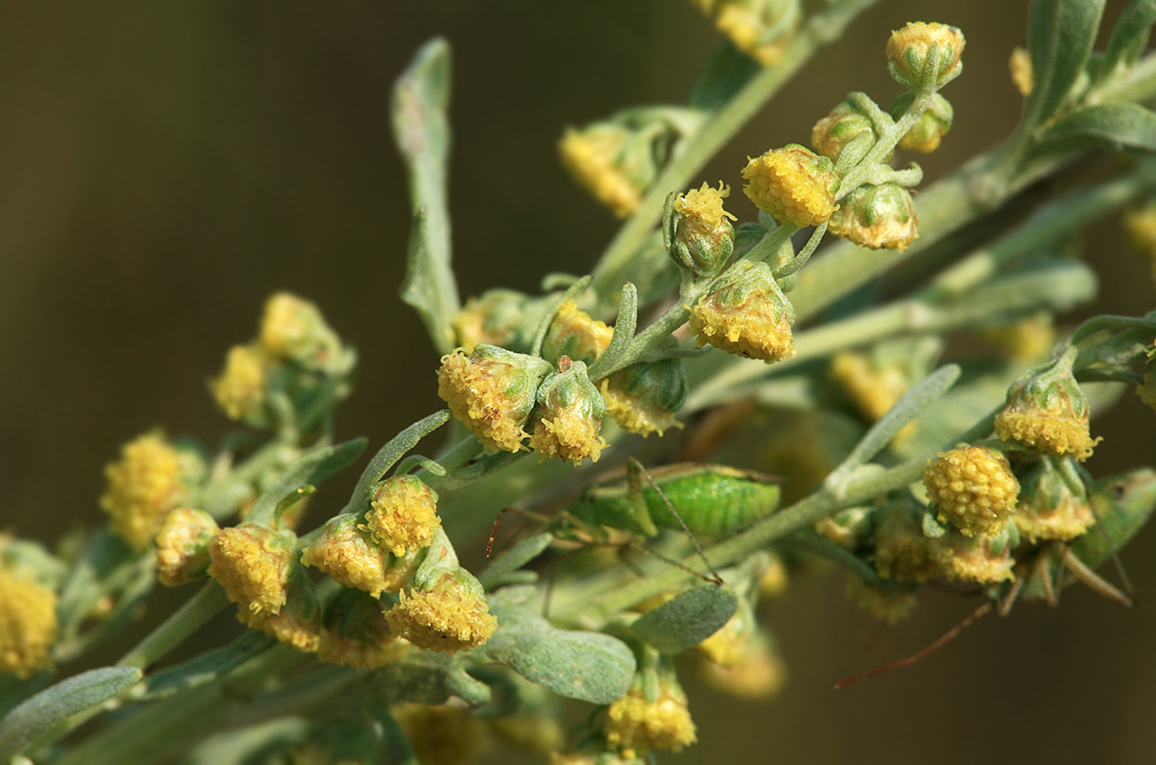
706,500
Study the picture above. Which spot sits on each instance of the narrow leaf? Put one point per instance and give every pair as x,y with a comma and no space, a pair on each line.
1130,35
495,574
388,455
420,99
1060,37
587,666
54,705
687,619
1108,126
311,469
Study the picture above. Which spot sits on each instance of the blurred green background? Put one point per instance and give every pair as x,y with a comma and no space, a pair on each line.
166,166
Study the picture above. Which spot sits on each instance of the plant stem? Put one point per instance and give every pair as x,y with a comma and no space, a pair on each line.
195,612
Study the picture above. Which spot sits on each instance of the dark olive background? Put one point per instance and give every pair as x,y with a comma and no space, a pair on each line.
165,166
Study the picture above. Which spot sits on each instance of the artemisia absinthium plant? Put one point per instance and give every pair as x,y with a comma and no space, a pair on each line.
364,629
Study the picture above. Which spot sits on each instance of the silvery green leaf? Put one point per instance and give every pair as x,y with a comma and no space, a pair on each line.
1060,37
36,716
420,99
687,619
1108,126
389,454
430,678
206,667
588,666
1130,35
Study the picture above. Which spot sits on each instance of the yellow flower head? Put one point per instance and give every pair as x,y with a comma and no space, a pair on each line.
593,158
351,556
1028,340
183,546
762,29
499,317
403,515
635,725
441,734
451,616
293,329
492,392
240,390
252,563
902,552
28,625
982,559
873,390
298,623
142,487
644,397
878,217
575,335
1047,412
1141,225
697,230
910,48
972,489
760,675
1020,66
1053,506
792,184
728,645
569,418
842,125
887,605
702,209
749,317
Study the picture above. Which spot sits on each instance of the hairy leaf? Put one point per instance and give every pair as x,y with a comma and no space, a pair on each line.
313,468
687,619
1060,37
1109,126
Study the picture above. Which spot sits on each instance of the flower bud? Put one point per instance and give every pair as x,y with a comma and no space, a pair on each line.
982,558
617,159
293,330
844,124
28,624
847,528
762,29
793,184
1141,225
183,546
1025,340
972,489
575,335
1047,412
504,318
697,233
298,623
1052,505
927,132
450,615
148,481
636,724
643,398
910,49
879,217
888,602
1020,66
749,317
356,633
403,514
252,563
902,551
240,390
348,552
873,388
759,673
492,392
569,418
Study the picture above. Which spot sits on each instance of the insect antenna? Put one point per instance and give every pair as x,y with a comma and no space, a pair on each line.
714,577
